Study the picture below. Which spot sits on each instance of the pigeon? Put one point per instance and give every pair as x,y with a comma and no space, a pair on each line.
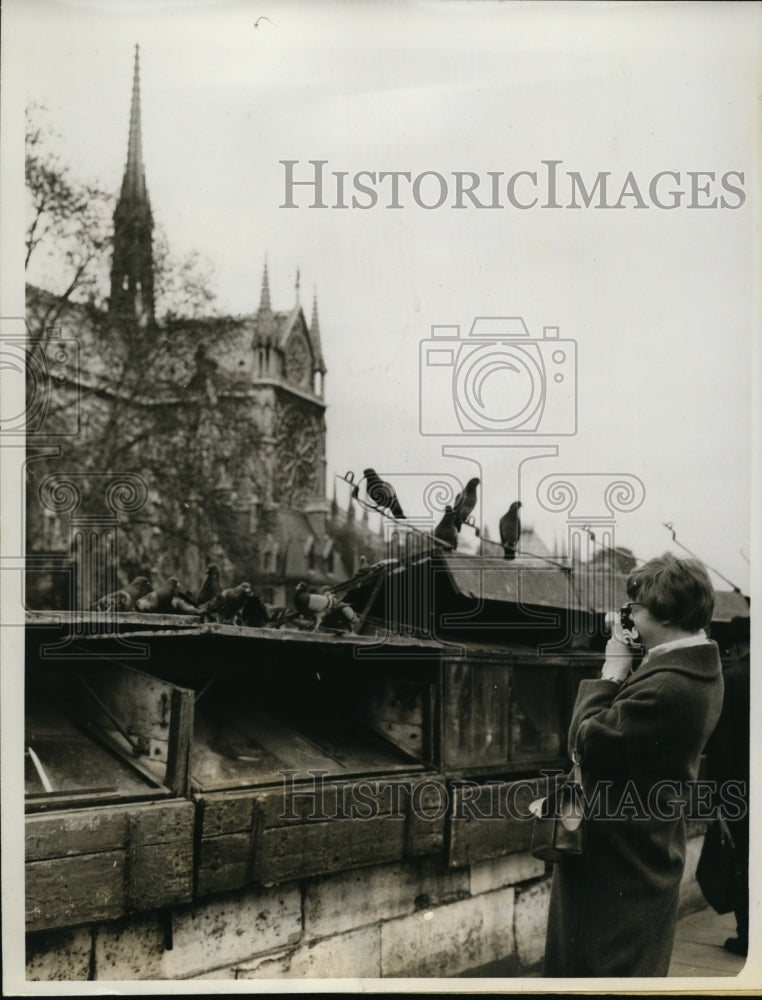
446,531
254,612
510,529
465,503
382,493
211,585
160,599
317,606
226,605
124,600
182,604
363,562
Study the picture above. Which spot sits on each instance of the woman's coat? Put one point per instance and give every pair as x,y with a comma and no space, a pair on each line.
613,909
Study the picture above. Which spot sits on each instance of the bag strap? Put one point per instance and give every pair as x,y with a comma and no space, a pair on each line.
576,769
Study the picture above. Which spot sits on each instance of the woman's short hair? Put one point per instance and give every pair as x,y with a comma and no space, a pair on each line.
674,590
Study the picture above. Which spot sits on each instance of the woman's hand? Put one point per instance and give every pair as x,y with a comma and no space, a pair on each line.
618,661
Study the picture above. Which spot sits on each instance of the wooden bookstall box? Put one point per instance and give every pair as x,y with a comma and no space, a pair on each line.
306,759
109,829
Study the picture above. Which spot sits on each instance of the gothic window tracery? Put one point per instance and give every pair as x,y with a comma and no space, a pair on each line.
298,361
297,434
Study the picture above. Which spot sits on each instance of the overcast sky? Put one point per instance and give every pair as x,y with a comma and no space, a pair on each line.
660,302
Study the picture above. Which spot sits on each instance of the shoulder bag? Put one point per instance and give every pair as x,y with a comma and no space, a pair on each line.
558,828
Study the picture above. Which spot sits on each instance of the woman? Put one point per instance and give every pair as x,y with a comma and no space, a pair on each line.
640,733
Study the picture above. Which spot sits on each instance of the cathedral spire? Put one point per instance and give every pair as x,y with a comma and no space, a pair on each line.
132,296
134,181
264,298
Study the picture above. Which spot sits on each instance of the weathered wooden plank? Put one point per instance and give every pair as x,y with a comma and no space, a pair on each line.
165,822
232,848
63,892
298,801
476,714
70,833
322,798
224,863
319,848
223,813
85,831
488,821
177,776
226,878
427,808
141,703
160,875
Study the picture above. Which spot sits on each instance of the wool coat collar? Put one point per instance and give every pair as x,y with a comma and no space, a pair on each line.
701,661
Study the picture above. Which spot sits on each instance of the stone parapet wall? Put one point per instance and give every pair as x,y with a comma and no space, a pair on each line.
412,919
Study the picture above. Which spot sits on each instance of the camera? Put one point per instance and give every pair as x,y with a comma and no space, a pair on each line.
625,620
497,380
41,393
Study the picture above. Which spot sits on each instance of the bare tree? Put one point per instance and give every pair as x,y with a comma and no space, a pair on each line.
151,400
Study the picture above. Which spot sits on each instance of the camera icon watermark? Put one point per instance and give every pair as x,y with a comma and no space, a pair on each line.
498,380
41,391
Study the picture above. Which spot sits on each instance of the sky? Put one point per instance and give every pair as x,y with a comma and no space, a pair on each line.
658,304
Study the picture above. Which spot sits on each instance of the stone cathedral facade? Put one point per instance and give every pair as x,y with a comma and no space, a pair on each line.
245,395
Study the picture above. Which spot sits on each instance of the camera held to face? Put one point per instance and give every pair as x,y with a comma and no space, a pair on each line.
498,380
623,628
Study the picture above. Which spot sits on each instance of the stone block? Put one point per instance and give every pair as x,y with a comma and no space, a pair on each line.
272,966
530,920
508,870
59,955
344,956
446,940
439,884
337,903
212,935
355,955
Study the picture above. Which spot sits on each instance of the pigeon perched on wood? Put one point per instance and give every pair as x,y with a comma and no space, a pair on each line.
183,605
124,599
226,605
211,585
159,600
254,612
446,531
317,606
465,503
381,493
510,529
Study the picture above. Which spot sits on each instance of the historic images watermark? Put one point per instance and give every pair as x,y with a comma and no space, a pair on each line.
535,380
310,796
42,396
42,407
547,185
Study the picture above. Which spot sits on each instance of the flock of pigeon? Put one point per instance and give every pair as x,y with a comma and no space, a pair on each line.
239,605
384,497
232,606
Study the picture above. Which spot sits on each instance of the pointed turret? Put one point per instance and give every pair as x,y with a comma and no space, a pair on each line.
264,298
132,295
315,337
